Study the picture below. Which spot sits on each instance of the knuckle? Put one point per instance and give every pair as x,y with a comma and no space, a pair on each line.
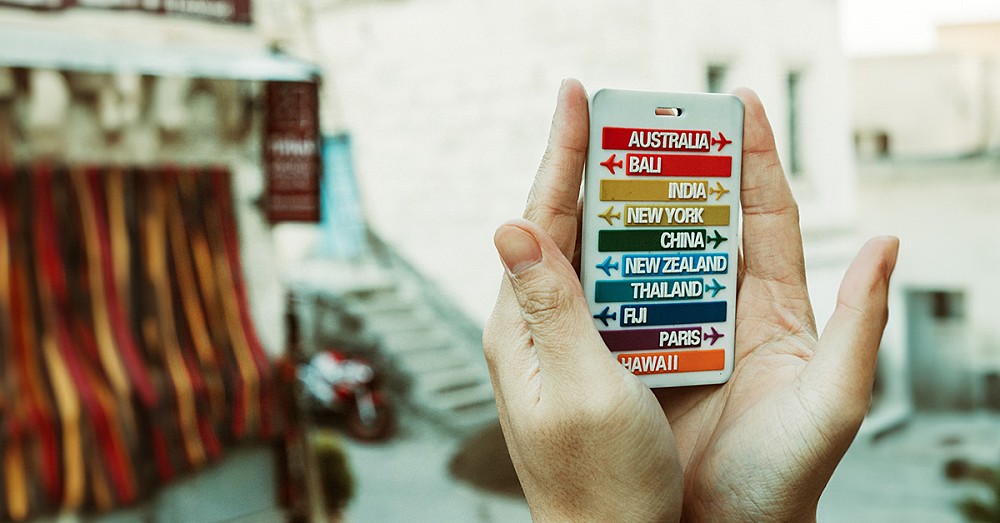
543,306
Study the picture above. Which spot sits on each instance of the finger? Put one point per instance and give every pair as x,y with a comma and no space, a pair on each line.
551,303
772,242
578,244
556,189
843,365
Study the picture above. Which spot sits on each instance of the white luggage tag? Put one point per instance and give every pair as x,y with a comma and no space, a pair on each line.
660,232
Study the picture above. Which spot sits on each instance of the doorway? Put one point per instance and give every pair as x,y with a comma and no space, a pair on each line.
939,350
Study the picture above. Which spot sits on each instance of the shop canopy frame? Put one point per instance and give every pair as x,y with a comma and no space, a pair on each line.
45,49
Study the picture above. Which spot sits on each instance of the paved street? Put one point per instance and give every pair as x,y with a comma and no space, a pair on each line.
898,478
407,479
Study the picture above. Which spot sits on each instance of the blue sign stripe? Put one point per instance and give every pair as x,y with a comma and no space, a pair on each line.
672,313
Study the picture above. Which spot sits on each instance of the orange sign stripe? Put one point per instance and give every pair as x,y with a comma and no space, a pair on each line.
659,362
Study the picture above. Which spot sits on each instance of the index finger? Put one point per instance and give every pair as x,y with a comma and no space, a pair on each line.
772,240
552,202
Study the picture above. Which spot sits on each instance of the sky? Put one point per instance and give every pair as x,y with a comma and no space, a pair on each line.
905,26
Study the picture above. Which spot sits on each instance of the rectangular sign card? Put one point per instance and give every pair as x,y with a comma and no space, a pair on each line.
660,232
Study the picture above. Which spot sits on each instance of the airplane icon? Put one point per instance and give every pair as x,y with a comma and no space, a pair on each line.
715,287
610,163
715,335
606,266
607,215
718,189
722,141
604,316
717,239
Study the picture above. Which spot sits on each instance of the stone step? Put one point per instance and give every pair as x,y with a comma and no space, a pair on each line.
404,320
382,304
399,323
444,381
457,399
431,338
446,357
327,277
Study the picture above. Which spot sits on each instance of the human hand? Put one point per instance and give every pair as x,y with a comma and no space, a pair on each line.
763,446
588,440
760,447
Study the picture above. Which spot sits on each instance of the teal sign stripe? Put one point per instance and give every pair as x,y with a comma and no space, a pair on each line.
649,290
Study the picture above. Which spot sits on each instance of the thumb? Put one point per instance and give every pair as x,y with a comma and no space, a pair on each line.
550,299
846,355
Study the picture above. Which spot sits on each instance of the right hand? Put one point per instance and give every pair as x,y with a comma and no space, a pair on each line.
588,440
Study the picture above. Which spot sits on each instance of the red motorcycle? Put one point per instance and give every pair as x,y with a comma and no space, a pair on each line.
340,386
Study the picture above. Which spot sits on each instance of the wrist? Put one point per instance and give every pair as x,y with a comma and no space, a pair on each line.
601,508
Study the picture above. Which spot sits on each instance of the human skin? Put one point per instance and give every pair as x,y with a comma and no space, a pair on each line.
590,442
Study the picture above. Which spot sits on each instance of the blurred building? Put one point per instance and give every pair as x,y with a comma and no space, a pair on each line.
928,141
449,104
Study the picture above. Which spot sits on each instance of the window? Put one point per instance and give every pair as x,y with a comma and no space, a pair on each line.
794,80
872,144
715,78
882,144
946,305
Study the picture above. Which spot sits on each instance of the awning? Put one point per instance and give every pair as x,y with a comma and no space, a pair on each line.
38,48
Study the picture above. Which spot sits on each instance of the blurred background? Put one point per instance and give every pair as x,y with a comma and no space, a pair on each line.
246,245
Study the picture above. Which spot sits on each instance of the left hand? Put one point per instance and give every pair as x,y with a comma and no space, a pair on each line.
763,446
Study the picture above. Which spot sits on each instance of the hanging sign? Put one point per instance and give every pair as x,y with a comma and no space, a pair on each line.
291,152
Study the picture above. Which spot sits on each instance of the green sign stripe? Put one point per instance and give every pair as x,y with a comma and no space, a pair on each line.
651,240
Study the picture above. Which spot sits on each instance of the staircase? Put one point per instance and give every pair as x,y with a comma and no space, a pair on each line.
389,308
448,380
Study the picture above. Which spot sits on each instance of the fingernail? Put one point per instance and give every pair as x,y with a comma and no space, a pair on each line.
518,249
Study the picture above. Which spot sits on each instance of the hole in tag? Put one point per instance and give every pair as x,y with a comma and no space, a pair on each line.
669,111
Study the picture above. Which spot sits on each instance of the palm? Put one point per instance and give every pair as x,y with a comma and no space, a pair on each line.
763,445
730,436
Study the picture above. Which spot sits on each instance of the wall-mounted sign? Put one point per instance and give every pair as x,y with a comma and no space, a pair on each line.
292,152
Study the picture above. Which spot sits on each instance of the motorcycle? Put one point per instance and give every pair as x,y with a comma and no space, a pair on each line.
338,385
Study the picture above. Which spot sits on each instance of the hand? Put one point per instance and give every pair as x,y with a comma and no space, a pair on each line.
759,448
588,440
763,446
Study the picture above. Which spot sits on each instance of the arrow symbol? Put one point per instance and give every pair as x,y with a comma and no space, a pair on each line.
715,335
722,141
606,266
610,163
718,238
607,215
715,287
718,189
604,316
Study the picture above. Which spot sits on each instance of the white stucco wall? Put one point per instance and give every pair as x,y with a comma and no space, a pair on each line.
449,103
930,105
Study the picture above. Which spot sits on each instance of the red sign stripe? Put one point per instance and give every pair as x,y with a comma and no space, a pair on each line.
679,165
628,139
